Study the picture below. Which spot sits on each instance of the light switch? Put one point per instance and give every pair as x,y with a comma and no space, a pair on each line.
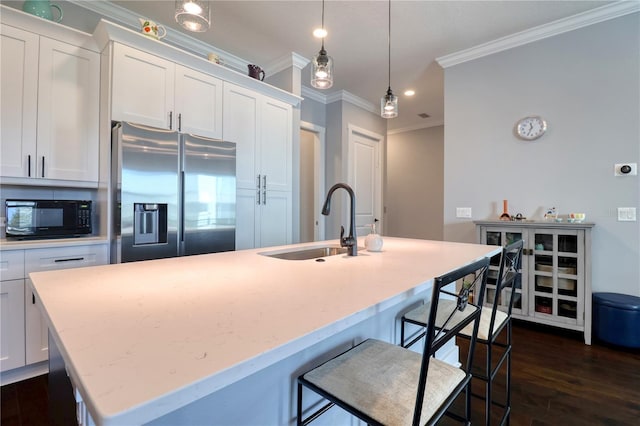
626,214
463,212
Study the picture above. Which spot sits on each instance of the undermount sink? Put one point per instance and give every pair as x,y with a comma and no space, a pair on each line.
305,253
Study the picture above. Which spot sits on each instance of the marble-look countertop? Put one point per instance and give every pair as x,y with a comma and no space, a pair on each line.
143,339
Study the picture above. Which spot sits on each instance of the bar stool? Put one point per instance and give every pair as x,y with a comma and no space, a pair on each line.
385,384
493,322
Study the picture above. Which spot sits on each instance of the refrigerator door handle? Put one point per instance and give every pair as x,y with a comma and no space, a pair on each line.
182,219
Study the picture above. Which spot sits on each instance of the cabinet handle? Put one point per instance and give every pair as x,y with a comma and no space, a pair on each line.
264,182
264,198
29,165
170,120
33,298
43,166
180,122
258,197
71,259
258,182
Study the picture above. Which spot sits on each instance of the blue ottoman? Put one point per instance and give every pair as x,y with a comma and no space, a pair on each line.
616,319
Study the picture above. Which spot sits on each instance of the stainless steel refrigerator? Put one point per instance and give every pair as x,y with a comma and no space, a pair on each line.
174,194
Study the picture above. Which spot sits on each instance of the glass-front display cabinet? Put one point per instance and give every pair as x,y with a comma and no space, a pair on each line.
555,286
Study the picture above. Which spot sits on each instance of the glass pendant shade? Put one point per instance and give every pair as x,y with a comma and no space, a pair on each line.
389,105
322,70
193,15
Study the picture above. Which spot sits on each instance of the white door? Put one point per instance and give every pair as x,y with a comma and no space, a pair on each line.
198,103
143,88
68,108
18,101
312,188
365,177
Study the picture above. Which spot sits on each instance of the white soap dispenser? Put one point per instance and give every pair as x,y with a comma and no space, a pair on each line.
373,241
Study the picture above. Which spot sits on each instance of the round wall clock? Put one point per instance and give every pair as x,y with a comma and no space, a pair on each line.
530,128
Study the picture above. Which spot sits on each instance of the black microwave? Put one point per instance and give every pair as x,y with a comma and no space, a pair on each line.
47,218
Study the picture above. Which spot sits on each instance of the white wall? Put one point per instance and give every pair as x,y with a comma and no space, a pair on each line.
586,84
414,196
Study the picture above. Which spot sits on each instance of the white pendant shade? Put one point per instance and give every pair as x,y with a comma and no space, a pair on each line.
193,15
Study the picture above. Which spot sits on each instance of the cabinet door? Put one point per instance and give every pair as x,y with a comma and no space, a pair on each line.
68,104
11,324
36,331
557,275
246,206
275,219
142,88
18,101
198,103
240,121
275,149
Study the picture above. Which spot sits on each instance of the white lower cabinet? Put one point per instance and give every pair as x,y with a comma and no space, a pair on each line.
11,324
263,218
24,338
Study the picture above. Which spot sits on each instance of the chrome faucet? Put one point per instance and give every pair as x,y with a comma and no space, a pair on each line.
351,242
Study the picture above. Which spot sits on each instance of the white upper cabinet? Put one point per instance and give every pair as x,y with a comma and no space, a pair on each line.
50,92
275,145
142,88
19,101
68,106
198,103
241,107
150,90
50,103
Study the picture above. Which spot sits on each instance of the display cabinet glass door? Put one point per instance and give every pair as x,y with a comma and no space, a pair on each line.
503,237
555,273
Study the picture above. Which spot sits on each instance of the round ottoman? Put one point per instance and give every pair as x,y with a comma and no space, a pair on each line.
616,319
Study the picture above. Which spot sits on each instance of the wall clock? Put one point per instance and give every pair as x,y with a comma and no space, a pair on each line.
530,128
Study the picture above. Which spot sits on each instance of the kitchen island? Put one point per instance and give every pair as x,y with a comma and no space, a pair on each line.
220,338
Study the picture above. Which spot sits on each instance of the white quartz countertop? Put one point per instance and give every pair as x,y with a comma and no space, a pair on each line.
143,339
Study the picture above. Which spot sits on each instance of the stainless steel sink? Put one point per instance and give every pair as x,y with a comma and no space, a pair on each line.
305,253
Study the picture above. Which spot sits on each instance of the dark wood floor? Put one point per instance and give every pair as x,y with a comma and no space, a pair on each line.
557,380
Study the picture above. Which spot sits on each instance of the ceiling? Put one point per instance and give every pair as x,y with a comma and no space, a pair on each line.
262,32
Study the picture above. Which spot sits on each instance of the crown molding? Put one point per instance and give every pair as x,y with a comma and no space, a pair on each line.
584,19
314,95
416,127
129,19
293,59
343,95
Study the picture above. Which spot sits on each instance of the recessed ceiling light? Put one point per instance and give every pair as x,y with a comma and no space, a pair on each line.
320,33
423,115
409,92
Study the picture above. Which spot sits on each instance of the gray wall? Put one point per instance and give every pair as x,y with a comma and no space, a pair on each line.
585,83
415,184
313,112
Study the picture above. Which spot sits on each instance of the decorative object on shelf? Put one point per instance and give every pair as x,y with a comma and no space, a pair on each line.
530,128
322,64
373,241
256,72
42,8
213,57
576,217
389,102
551,214
151,29
505,211
193,15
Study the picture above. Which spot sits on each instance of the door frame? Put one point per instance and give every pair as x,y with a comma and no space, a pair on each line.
319,144
381,140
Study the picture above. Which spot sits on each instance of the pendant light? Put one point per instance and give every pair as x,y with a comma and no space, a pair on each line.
193,15
389,102
322,65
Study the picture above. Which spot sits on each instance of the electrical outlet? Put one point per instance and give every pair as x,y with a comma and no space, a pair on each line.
625,169
463,212
626,214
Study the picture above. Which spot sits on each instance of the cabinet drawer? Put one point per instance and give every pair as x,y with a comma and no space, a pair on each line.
65,257
12,264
